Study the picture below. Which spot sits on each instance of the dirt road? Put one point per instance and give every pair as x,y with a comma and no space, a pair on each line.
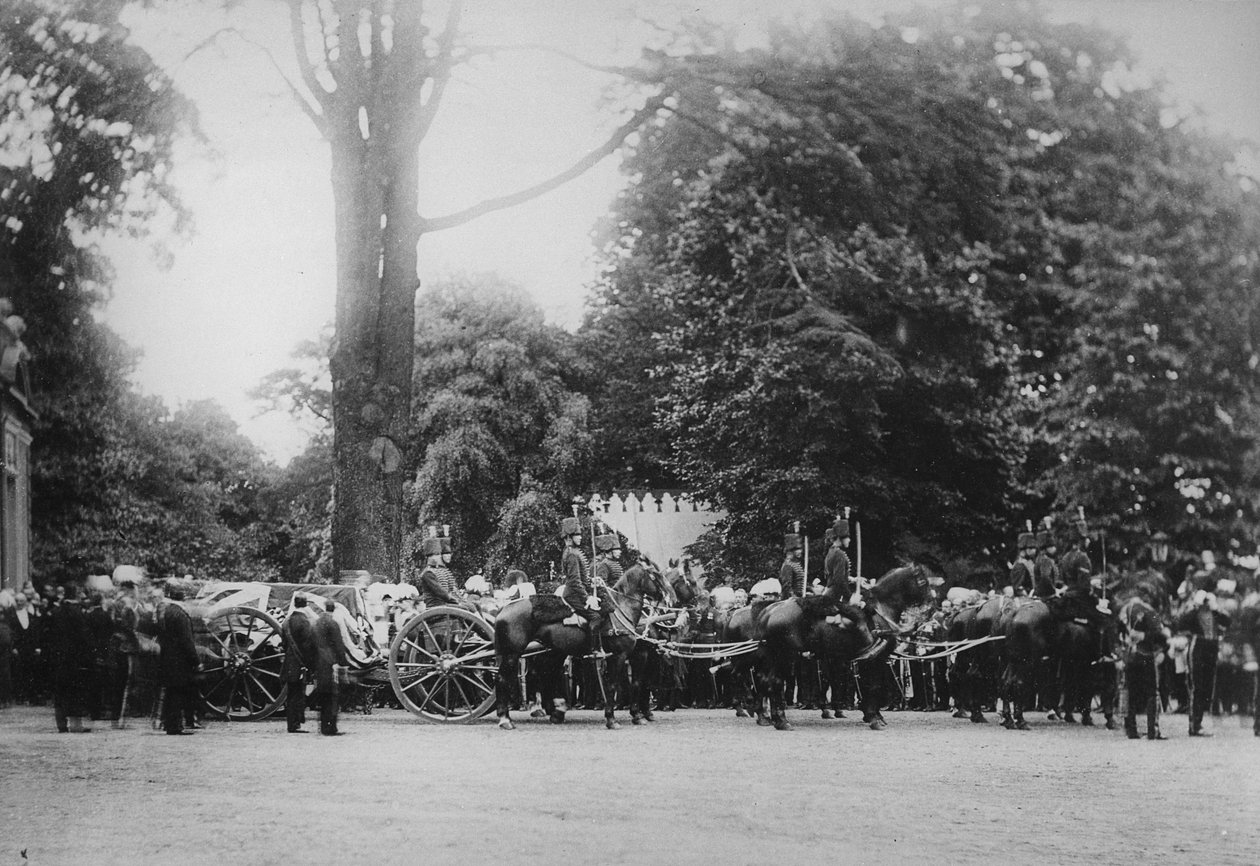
694,787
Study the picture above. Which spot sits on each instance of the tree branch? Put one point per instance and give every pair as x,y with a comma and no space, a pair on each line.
441,73
631,72
458,218
301,99
297,30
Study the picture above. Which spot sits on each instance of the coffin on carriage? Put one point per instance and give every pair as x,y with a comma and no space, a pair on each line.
440,665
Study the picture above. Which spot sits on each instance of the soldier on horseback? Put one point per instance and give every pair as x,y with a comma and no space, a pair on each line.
792,573
1021,576
1079,601
1045,569
578,588
436,583
837,571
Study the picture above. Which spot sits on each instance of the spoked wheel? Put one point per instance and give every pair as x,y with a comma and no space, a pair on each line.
242,652
442,665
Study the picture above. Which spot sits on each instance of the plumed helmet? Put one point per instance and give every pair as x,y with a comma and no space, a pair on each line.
431,546
570,526
1026,539
445,543
606,543
840,529
791,541
1044,538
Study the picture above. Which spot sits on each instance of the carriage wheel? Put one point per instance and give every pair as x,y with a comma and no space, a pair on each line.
241,651
442,665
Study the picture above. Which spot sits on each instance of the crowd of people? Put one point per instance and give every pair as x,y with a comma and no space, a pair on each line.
115,648
101,650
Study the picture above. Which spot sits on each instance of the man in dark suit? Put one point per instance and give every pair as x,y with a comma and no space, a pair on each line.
329,651
178,663
69,651
1206,623
298,633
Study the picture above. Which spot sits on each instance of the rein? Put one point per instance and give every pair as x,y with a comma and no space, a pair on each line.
950,648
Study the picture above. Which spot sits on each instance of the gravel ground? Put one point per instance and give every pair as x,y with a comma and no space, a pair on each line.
696,786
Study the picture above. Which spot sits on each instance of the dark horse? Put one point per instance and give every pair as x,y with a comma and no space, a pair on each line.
787,628
537,623
975,671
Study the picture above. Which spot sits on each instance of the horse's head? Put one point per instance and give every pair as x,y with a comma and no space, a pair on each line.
659,588
905,590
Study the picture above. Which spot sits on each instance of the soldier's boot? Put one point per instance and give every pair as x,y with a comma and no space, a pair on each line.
1153,732
1130,728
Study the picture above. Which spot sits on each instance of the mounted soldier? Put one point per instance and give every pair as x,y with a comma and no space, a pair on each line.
1079,601
608,559
578,589
838,573
1045,569
436,582
792,573
1020,580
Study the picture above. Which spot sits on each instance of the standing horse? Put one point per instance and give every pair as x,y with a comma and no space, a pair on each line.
977,669
537,623
788,628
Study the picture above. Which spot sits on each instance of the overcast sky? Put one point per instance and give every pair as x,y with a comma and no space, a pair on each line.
258,275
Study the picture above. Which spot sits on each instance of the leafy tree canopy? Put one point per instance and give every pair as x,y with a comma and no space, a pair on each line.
952,271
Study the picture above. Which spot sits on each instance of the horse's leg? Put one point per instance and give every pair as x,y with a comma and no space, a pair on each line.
508,664
549,673
871,675
781,675
618,660
1003,700
651,670
978,683
761,693
830,681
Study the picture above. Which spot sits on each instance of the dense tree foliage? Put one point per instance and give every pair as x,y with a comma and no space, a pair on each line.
85,142
502,433
952,271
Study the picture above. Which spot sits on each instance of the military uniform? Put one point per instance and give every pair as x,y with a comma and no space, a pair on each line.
1147,642
575,575
1206,626
607,568
1075,569
837,571
792,576
1045,569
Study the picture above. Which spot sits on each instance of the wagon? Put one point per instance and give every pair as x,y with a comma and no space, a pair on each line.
236,628
440,665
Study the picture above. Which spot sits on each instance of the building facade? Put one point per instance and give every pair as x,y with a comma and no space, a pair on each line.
16,418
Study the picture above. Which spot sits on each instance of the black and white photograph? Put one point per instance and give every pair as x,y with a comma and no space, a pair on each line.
630,431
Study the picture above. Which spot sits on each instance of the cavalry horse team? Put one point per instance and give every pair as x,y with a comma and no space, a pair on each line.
1013,649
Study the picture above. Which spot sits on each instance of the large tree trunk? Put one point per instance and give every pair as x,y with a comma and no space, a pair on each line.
375,191
389,73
